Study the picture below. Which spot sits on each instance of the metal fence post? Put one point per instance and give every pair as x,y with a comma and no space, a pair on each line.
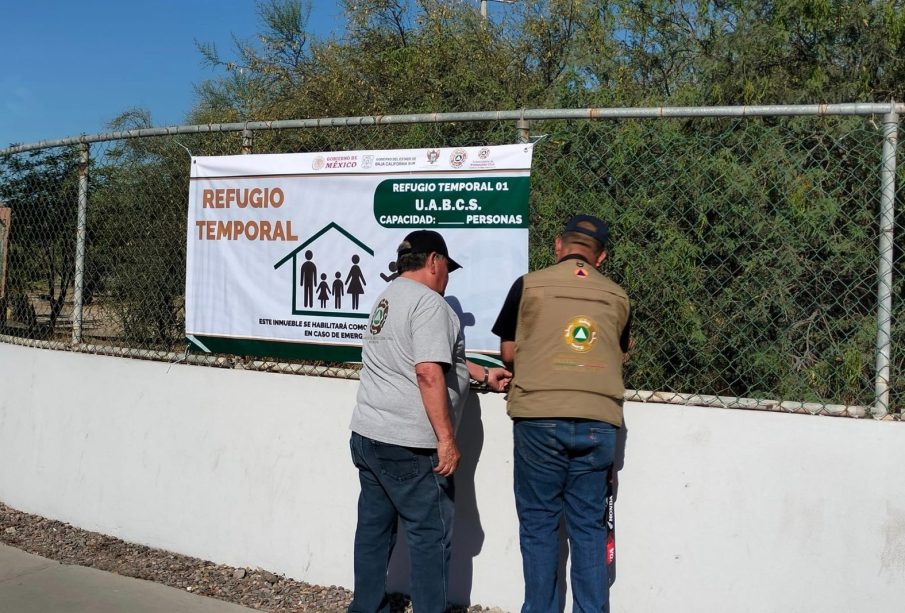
523,127
884,280
247,141
80,245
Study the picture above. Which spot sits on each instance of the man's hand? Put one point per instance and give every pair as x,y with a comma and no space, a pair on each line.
498,379
447,457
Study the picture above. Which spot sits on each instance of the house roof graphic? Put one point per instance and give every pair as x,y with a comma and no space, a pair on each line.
330,226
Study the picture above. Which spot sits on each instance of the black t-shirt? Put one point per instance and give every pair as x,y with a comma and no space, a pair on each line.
507,320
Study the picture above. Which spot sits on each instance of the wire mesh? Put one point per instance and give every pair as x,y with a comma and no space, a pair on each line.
748,246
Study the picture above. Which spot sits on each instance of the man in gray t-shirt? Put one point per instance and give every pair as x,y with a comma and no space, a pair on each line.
414,383
417,326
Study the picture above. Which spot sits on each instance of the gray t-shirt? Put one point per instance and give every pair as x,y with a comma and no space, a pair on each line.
409,324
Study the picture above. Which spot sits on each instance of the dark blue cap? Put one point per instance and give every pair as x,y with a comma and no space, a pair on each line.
591,226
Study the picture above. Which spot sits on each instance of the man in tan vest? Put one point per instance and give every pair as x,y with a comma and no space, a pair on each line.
565,332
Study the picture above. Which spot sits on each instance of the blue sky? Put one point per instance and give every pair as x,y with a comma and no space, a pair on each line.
71,66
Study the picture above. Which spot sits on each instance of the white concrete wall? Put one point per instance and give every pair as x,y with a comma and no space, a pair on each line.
718,510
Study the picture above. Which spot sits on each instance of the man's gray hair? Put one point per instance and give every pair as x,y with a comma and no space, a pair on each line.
409,261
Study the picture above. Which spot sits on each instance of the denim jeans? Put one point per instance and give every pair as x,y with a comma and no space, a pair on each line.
561,465
399,483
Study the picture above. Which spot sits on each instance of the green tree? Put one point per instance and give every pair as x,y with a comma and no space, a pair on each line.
138,216
41,188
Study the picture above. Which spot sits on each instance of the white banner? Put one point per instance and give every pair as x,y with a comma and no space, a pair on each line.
287,252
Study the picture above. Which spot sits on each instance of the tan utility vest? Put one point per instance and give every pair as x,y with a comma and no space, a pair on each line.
568,361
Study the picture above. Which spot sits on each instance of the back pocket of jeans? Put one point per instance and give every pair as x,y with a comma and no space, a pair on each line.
535,440
397,463
605,449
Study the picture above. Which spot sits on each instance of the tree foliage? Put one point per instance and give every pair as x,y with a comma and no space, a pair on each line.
402,56
138,216
41,188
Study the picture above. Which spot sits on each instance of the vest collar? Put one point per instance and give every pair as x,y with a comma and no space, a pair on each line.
575,256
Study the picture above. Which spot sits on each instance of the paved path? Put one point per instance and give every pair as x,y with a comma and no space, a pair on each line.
31,584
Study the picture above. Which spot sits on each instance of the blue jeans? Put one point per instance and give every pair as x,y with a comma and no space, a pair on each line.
400,483
562,465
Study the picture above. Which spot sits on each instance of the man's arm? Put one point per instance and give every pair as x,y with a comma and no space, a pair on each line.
507,322
432,385
507,352
626,342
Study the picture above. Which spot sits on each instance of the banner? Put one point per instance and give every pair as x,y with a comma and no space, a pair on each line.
286,253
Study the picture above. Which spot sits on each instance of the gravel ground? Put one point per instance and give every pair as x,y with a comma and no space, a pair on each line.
251,587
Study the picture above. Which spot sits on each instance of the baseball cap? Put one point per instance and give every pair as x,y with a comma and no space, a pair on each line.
427,241
589,226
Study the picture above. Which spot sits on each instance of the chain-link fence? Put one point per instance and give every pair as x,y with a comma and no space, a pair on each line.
755,243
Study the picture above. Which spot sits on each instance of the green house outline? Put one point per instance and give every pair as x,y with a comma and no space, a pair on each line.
292,256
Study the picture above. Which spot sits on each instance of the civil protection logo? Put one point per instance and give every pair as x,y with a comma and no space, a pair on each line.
380,316
580,334
458,157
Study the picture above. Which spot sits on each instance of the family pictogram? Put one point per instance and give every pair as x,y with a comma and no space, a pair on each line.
354,285
330,268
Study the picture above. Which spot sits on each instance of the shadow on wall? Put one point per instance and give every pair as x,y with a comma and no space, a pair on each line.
468,535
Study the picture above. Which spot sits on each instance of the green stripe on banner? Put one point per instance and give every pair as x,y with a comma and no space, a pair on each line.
484,360
299,351
279,349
